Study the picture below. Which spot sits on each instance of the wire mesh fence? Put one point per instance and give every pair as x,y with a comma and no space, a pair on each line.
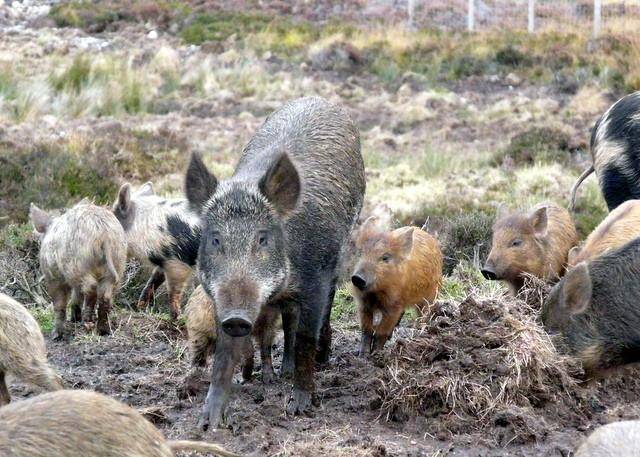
590,16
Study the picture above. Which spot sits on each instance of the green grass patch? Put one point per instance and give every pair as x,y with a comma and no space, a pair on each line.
344,307
44,318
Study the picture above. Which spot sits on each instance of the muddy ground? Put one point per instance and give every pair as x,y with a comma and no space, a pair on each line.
145,360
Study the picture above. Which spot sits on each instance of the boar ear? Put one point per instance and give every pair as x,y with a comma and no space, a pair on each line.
39,218
200,184
539,221
124,198
370,224
405,239
281,185
577,289
573,255
502,211
145,190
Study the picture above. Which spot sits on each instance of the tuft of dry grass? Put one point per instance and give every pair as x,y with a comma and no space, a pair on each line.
481,364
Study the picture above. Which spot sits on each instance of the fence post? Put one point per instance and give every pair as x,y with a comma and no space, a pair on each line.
471,17
597,17
532,14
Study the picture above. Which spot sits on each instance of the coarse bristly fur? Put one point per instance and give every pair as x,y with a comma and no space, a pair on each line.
594,307
535,243
621,226
618,439
396,270
162,232
74,423
272,236
82,255
22,350
615,150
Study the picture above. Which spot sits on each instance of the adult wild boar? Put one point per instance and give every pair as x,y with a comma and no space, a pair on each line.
535,243
22,350
82,255
396,270
272,234
615,151
621,226
595,308
161,232
74,423
618,439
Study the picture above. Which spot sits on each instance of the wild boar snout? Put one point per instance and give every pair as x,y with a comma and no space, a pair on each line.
237,324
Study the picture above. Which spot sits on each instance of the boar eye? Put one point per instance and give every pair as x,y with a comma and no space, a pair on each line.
263,239
386,258
214,240
516,243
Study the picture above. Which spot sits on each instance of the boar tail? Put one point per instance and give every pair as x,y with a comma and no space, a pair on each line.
109,261
585,174
199,446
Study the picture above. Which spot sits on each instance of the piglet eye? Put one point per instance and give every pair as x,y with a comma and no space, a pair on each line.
386,258
516,243
263,239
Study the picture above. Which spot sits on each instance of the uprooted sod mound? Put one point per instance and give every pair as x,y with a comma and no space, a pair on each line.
483,365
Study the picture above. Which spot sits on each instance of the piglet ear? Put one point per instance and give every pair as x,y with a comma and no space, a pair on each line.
281,185
200,184
539,221
39,218
574,252
404,237
502,211
577,289
145,190
124,198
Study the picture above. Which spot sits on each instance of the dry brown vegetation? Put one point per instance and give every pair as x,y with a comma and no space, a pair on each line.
452,124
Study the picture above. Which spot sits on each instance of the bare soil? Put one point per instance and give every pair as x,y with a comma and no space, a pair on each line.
145,362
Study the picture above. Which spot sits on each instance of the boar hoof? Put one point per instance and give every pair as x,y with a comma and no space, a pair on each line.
57,335
268,376
103,329
288,368
299,402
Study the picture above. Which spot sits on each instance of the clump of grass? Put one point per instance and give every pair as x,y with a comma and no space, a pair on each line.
221,25
536,145
485,364
58,174
467,237
44,318
344,308
73,78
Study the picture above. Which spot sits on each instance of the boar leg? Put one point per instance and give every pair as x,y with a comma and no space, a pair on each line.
105,295
389,322
155,281
290,316
60,301
366,324
324,343
76,305
312,310
5,397
228,352
177,274
264,333
247,364
90,299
